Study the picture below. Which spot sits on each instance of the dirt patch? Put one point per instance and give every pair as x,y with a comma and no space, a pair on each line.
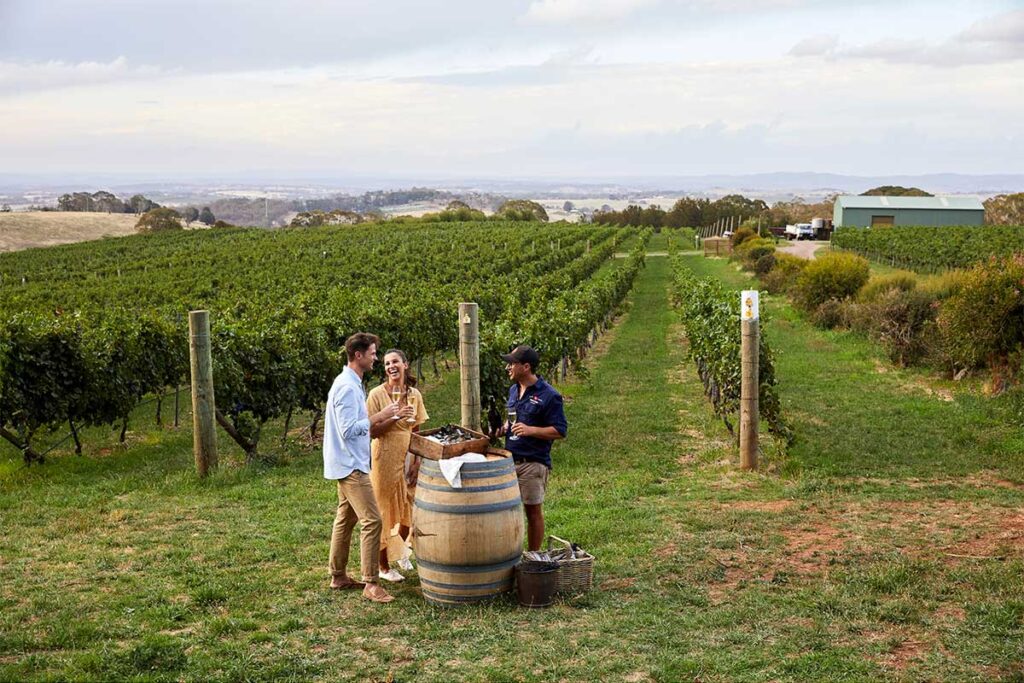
618,584
950,613
812,548
637,677
904,653
758,505
999,538
666,551
807,418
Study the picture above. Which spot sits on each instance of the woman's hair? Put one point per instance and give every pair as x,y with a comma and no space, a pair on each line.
410,379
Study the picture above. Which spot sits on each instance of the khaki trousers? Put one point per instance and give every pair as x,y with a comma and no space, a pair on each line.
356,502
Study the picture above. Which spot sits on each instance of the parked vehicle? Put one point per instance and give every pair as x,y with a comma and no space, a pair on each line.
799,231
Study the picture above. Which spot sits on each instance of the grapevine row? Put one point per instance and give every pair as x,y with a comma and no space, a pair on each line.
710,313
84,351
931,248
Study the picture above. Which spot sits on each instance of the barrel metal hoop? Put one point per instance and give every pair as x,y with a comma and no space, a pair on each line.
468,489
469,568
468,586
467,475
492,468
441,598
468,509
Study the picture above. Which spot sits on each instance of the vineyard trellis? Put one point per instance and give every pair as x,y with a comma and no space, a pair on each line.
931,249
91,329
710,313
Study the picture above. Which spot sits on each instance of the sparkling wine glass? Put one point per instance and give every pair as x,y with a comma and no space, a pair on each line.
396,396
511,421
411,400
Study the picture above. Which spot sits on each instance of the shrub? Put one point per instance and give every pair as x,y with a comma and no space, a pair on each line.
903,324
783,275
835,275
878,286
752,249
764,265
741,236
944,285
984,320
159,220
830,314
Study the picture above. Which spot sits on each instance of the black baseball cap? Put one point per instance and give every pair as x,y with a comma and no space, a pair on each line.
522,354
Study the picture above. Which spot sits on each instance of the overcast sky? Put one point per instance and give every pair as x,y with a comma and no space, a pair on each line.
525,89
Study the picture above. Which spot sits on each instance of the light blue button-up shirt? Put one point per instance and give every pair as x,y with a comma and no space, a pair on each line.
346,428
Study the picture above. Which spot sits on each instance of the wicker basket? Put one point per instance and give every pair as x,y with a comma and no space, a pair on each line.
575,574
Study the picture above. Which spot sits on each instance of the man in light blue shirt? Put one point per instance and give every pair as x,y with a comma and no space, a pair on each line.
347,460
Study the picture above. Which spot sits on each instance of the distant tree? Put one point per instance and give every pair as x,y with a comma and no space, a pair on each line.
688,212
315,218
1005,209
139,204
568,206
895,191
798,211
190,214
456,204
522,210
159,220
97,202
6,208
206,216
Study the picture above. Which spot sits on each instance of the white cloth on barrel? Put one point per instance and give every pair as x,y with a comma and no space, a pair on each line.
452,467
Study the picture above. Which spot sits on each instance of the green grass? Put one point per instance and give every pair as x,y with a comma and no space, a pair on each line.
842,561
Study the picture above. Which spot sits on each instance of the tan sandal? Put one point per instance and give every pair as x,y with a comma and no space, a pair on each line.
375,593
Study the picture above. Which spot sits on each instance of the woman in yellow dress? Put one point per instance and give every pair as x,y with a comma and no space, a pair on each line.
388,450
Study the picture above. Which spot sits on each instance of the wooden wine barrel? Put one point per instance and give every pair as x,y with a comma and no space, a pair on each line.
467,540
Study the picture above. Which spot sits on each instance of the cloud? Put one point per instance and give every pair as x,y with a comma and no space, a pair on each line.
28,76
992,40
815,46
1004,28
583,11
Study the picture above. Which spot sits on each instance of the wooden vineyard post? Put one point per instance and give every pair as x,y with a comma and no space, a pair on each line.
204,425
469,364
749,382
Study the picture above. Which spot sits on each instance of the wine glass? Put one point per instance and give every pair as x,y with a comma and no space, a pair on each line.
411,400
511,421
396,396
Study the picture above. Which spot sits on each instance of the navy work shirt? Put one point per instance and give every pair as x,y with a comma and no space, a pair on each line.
540,406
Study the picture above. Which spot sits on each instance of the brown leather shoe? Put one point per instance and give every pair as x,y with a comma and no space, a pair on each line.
375,593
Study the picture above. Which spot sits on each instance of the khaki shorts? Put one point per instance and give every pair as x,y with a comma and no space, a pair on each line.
533,481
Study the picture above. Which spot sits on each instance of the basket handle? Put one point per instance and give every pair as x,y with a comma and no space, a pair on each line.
564,542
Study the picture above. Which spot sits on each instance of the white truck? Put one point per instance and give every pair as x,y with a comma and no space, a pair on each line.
799,231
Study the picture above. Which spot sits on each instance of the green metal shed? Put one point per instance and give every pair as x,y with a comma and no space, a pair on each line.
861,212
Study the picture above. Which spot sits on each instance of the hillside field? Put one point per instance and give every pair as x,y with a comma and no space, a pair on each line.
24,230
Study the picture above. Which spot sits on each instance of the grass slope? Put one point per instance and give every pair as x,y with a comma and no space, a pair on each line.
24,230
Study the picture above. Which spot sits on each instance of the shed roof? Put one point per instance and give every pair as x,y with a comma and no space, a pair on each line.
956,203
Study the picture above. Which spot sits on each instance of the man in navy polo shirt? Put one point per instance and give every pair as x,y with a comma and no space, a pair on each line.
540,420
